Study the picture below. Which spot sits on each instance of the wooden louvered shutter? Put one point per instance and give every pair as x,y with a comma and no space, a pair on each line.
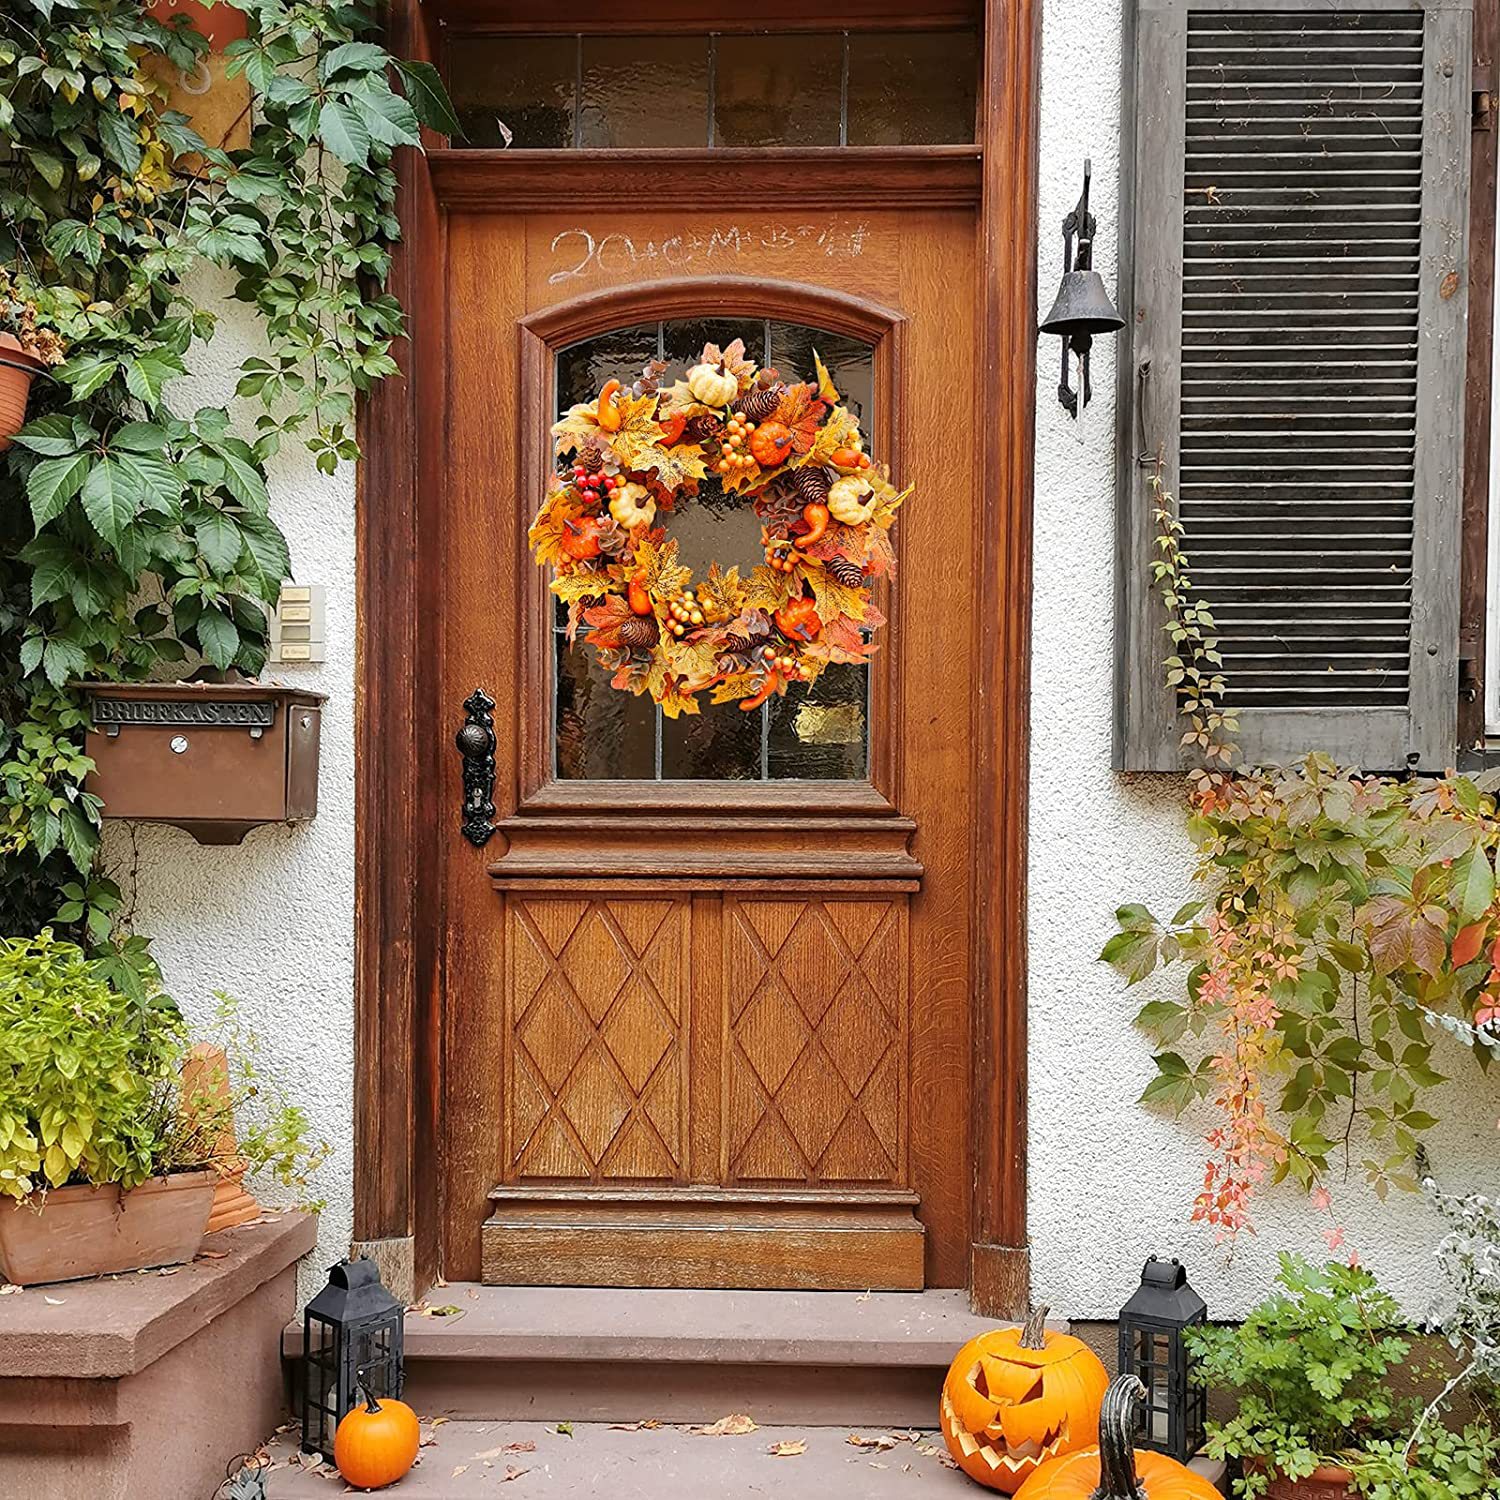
1294,281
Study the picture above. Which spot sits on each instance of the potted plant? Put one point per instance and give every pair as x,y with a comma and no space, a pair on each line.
109,1161
25,351
1309,1365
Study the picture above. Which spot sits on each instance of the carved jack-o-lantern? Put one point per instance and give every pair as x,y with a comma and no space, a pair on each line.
1016,1397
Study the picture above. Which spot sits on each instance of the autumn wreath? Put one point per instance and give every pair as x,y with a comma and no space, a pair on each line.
629,458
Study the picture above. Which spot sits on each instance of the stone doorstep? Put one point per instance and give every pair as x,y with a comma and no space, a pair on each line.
606,1355
144,1384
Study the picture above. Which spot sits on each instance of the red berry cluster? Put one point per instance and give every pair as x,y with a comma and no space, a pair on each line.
598,487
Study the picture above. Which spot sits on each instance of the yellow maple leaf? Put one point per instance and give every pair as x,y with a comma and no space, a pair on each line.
673,466
838,431
740,685
723,592
769,590
733,359
571,586
549,528
835,599
661,573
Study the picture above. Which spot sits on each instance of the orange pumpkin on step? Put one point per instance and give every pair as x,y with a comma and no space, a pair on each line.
376,1443
1016,1397
1116,1469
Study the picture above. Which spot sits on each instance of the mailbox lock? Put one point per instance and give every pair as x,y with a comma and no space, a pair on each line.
178,744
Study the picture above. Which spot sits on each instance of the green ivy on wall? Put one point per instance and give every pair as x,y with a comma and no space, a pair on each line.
136,537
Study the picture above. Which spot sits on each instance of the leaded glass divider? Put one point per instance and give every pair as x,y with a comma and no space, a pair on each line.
814,733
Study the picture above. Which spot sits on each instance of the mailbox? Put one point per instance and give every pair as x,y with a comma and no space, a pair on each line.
217,759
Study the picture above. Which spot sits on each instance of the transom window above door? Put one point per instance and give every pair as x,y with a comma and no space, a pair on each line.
684,90
820,732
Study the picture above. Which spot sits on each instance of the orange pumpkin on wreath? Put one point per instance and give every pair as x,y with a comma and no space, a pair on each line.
1016,1397
1115,1469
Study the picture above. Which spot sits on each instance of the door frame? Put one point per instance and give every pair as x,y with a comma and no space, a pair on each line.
403,735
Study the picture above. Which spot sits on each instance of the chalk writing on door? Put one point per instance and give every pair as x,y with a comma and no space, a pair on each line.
581,254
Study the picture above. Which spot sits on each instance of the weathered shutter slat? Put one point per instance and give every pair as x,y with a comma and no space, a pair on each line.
1293,273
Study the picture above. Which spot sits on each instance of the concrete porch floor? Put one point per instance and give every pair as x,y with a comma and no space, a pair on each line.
467,1459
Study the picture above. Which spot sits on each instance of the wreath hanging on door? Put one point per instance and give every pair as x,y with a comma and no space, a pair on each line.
825,510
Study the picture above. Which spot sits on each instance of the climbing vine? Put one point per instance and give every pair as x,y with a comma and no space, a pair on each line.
136,535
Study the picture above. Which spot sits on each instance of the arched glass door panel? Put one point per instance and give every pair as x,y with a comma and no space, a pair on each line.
820,732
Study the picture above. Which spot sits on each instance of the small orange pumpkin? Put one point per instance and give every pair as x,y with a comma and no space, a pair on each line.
1016,1397
1116,1469
798,619
376,1443
771,444
637,596
580,538
671,428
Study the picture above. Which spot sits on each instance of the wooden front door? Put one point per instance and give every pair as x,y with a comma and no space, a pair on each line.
707,989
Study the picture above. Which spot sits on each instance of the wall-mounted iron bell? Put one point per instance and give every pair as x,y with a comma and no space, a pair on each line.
1083,307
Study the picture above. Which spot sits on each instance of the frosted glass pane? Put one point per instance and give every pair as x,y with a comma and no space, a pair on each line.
644,91
583,369
603,734
912,88
777,90
851,363
515,91
820,733
721,743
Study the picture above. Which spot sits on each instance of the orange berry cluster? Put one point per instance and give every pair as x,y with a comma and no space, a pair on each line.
786,665
689,610
781,551
736,437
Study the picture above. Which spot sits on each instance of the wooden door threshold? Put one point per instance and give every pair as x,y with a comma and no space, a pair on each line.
737,1238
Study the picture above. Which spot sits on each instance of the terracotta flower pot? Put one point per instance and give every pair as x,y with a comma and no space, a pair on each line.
18,367
1330,1482
93,1231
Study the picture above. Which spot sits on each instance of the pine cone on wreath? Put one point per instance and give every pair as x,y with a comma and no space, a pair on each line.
841,570
812,486
592,459
700,429
736,645
760,402
640,632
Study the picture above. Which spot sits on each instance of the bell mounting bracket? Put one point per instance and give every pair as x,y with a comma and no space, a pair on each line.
1078,226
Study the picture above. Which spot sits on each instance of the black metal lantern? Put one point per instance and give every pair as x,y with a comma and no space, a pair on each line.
1153,1349
1082,308
351,1337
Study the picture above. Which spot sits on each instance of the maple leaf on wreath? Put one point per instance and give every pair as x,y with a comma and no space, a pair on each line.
837,600
606,620
733,359
826,388
722,591
768,590
840,640
838,431
671,467
880,555
736,686
580,585
801,411
656,561
547,531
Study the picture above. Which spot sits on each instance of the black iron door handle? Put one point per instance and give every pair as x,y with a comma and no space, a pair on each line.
476,743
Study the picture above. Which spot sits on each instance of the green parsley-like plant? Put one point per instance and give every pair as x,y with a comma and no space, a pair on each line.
1310,1364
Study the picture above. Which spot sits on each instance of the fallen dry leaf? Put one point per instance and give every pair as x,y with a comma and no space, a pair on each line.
507,1448
54,1301
646,1424
473,1295
880,1443
438,1421
9,1288
736,1424
447,1310
461,1469
564,1429
512,1472
212,1255
787,1449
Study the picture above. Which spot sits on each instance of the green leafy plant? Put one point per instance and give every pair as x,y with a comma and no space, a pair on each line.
1310,1366
136,537
1445,1465
82,1067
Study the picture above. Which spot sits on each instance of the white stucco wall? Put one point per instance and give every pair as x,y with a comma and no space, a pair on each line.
1111,1183
272,920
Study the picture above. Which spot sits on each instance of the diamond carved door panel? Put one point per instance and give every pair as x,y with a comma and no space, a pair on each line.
596,1014
816,999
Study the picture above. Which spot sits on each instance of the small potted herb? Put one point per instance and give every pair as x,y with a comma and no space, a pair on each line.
1310,1366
